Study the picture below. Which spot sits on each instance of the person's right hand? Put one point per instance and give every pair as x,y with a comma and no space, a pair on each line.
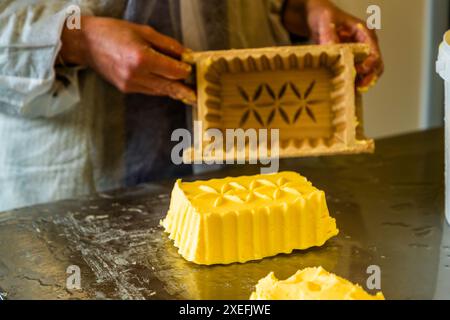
134,58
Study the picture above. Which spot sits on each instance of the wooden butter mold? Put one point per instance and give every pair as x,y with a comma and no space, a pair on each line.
307,92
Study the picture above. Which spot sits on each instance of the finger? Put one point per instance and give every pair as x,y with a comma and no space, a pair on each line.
366,80
374,62
155,85
344,35
363,83
164,66
162,42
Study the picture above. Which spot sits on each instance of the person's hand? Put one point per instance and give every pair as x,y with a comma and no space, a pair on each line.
134,58
328,24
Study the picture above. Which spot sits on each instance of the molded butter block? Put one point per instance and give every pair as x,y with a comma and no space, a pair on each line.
310,284
229,220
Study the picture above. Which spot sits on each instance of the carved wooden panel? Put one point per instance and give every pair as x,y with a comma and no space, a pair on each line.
307,92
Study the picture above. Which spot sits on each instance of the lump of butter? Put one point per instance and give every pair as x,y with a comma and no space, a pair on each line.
229,220
310,284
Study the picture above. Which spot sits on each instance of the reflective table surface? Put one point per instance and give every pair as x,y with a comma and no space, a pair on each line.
389,208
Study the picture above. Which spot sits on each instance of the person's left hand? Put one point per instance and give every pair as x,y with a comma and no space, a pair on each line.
328,24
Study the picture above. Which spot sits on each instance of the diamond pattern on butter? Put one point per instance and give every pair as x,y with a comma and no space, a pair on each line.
310,284
229,220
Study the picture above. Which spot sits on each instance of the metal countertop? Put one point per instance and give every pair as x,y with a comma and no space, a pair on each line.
389,209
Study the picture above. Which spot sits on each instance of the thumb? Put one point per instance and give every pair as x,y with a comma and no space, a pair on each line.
327,32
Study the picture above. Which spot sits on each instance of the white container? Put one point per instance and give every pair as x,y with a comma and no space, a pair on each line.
443,68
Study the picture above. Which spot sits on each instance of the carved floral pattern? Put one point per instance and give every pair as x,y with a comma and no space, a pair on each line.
252,104
260,189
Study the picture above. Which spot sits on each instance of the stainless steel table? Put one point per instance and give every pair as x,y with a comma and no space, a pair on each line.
389,209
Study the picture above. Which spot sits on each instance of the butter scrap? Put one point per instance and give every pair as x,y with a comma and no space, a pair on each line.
310,284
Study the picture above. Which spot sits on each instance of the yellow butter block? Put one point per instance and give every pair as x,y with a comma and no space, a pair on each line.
310,284
229,220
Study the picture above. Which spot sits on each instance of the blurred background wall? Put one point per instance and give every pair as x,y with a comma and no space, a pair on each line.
410,95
